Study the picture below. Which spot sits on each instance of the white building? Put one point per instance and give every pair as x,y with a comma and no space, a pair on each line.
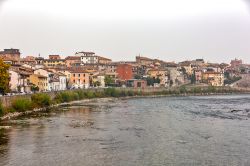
62,81
88,57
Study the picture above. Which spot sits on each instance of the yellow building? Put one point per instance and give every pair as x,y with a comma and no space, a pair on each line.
40,81
54,62
159,73
213,78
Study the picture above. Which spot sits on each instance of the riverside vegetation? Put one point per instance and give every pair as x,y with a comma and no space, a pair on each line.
43,100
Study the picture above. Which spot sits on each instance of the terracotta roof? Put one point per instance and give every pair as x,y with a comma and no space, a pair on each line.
73,58
103,58
38,75
85,52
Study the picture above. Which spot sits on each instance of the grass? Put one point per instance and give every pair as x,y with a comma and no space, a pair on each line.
41,100
21,104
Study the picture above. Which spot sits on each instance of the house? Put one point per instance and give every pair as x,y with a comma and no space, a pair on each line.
46,73
54,57
19,78
9,60
103,60
72,61
53,62
87,57
124,72
19,81
144,60
98,79
92,58
161,74
213,78
79,78
57,81
40,81
29,60
135,83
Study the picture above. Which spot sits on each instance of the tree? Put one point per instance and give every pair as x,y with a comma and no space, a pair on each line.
137,77
97,83
108,80
34,88
4,77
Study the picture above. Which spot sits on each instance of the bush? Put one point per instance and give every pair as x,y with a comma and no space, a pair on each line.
41,100
22,104
1,108
183,89
80,94
89,94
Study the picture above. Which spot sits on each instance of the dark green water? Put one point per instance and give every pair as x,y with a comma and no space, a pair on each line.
208,130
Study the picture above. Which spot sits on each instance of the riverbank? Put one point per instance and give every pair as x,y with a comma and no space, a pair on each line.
41,102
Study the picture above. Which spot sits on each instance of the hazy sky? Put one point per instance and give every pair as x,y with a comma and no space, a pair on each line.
172,30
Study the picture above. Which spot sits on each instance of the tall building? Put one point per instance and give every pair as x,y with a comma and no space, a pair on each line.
236,63
10,54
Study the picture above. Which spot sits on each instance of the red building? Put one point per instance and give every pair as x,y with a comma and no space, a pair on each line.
54,57
236,63
124,72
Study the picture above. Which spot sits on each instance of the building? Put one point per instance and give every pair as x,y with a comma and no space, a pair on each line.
124,72
19,81
103,60
29,60
71,61
11,54
54,57
92,58
161,74
213,78
40,81
236,63
79,78
57,81
46,73
87,57
136,83
54,62
144,60
198,76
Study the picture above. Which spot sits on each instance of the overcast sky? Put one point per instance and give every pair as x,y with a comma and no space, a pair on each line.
172,30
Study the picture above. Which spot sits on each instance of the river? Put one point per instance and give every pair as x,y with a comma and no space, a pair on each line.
194,130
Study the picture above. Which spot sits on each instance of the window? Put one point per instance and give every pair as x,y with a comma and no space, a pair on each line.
74,75
79,75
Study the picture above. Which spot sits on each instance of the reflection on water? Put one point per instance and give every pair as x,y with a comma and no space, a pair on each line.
208,130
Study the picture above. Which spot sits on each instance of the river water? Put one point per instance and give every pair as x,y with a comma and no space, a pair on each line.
199,130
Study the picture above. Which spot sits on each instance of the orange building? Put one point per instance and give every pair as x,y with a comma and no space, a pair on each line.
124,71
79,78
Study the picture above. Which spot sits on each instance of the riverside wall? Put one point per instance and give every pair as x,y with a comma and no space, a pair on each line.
7,100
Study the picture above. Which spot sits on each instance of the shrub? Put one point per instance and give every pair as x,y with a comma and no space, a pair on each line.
41,100
1,108
130,93
183,89
80,94
89,94
22,104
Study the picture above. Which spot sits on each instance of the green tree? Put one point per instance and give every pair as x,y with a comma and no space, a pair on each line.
97,83
108,80
4,75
